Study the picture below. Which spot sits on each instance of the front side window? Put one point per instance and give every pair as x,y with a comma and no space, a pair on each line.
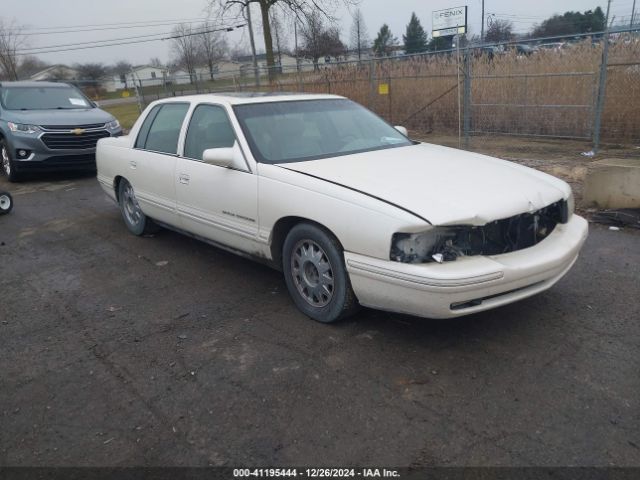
295,131
161,129
209,128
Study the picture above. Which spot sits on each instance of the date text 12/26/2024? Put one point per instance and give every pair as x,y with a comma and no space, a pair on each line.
315,473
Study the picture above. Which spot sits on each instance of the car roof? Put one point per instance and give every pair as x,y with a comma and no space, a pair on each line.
242,98
33,84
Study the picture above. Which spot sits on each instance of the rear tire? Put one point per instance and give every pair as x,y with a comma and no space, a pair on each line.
6,203
7,163
316,276
135,220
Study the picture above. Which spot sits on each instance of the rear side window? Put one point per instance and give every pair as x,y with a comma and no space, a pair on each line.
209,128
161,129
144,130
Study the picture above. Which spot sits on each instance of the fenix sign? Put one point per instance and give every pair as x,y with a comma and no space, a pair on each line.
450,21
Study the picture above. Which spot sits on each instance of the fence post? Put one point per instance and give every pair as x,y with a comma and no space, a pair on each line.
390,98
602,90
372,82
467,97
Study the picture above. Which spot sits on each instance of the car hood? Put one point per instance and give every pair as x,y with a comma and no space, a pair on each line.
442,185
82,116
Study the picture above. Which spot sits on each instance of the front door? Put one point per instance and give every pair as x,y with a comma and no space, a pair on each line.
217,203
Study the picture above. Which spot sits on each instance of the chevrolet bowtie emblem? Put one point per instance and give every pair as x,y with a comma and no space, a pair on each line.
78,131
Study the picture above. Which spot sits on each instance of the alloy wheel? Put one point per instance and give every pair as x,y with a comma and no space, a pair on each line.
312,273
6,162
130,205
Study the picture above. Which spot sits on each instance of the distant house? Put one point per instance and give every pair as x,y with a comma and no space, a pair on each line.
221,70
146,75
285,63
56,73
180,77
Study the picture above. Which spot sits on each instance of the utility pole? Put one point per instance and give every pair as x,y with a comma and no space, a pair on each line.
482,28
253,46
633,14
295,36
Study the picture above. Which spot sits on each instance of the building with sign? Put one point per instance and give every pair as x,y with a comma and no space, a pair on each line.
449,22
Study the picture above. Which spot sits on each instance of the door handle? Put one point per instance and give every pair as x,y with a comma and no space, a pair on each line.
184,179
133,164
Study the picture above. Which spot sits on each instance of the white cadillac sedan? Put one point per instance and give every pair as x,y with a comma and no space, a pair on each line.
350,209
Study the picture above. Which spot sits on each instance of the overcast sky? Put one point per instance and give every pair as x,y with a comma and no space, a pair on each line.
39,14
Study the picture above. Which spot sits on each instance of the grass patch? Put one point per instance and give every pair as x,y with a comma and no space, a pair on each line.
126,114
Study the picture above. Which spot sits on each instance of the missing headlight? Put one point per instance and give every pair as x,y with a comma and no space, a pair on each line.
445,244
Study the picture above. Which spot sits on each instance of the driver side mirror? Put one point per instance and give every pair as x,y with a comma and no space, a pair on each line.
224,157
402,130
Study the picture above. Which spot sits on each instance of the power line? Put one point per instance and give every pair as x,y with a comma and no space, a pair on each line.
77,44
108,28
125,26
119,24
44,50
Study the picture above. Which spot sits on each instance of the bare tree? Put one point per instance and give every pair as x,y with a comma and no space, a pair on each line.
499,31
311,33
299,8
91,73
333,45
318,40
30,65
359,34
213,47
186,48
123,69
156,62
10,43
277,26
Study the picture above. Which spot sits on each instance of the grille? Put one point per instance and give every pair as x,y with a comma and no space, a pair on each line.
71,141
72,127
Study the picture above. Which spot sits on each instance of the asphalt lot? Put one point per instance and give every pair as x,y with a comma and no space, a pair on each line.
110,356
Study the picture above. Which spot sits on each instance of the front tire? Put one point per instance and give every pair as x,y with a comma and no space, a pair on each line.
6,203
135,220
7,164
315,274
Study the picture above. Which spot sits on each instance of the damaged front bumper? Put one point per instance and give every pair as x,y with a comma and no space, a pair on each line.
470,284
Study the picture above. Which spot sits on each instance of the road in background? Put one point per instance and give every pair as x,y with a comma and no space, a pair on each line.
118,350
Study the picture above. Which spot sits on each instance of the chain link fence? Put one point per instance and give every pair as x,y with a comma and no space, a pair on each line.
538,88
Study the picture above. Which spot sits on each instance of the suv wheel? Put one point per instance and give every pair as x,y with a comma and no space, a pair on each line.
8,167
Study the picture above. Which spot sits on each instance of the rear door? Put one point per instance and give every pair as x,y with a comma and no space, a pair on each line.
153,167
218,203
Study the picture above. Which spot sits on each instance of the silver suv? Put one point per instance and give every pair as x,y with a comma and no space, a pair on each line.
48,127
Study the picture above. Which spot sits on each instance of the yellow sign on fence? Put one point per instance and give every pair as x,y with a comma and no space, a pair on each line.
383,88
126,94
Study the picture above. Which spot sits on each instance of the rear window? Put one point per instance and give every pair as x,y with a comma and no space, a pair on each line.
161,129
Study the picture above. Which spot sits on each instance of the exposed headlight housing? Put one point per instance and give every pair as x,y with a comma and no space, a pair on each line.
22,128
571,206
113,125
445,244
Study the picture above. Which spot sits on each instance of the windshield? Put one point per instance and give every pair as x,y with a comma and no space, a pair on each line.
285,132
42,98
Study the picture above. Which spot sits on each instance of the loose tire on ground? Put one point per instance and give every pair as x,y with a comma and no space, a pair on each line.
6,203
315,274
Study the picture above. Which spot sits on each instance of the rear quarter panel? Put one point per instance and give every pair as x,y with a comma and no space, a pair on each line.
112,158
